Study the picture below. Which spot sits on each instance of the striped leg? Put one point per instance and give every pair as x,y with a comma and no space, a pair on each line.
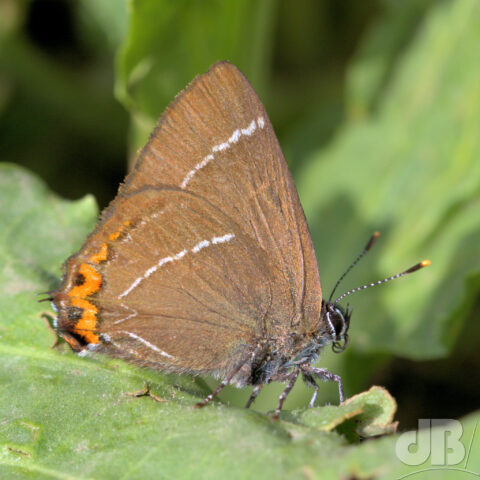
327,376
224,383
292,377
314,397
310,381
253,396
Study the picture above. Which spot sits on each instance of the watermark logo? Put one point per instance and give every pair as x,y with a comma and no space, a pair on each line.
438,442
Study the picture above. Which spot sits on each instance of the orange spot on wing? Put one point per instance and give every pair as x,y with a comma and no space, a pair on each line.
87,324
114,236
101,256
92,283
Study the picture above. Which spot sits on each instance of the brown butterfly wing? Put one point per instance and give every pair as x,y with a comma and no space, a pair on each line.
205,250
215,140
184,287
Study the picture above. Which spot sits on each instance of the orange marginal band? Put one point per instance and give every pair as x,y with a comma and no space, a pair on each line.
88,321
92,283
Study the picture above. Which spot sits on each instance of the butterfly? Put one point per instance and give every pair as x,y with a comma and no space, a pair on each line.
203,263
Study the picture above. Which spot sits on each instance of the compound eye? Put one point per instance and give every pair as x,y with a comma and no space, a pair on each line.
338,322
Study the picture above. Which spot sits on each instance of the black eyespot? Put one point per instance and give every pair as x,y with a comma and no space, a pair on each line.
79,279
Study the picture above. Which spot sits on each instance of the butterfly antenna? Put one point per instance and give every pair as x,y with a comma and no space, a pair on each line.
368,246
418,266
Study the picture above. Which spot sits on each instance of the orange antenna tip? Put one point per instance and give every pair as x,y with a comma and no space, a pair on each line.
418,266
372,241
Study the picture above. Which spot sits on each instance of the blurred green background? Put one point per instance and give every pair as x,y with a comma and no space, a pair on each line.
377,108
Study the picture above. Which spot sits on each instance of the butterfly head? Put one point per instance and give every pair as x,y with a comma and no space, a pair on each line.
337,320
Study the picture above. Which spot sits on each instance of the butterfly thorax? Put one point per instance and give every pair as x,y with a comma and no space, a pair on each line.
279,356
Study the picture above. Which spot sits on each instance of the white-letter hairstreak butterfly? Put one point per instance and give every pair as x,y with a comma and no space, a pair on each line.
203,263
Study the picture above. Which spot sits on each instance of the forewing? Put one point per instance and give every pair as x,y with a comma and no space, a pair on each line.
216,141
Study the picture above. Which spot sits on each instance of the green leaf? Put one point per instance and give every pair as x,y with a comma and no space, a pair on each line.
373,412
411,170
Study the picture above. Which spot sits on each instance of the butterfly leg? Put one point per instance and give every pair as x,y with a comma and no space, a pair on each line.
253,396
327,376
310,381
311,404
210,397
224,383
292,377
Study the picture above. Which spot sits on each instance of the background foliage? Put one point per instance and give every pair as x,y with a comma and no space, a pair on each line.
377,107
